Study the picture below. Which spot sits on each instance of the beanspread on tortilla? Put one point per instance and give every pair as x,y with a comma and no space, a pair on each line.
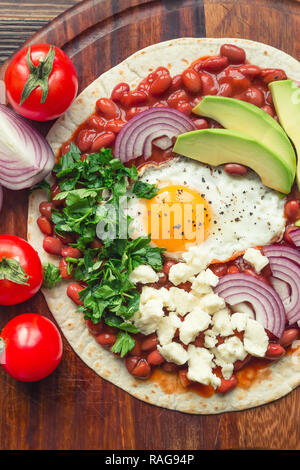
211,324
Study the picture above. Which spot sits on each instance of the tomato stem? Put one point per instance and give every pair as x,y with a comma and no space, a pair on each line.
11,270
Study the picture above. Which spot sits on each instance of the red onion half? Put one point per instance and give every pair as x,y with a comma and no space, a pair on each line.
294,234
26,158
267,305
136,137
285,265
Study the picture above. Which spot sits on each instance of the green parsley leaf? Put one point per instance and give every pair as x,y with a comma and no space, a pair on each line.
144,190
51,275
124,344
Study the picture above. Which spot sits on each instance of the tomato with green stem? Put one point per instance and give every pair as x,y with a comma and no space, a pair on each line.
21,272
41,82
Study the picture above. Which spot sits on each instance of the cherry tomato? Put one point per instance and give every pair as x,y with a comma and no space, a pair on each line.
32,347
21,268
41,82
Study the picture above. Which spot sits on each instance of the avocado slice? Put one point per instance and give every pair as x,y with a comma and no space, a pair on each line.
286,98
219,146
244,117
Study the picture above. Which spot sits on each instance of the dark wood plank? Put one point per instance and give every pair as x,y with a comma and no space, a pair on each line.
74,408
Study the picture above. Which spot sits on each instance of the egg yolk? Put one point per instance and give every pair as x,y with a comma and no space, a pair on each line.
178,217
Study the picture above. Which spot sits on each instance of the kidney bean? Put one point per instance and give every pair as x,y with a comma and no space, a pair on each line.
292,210
237,80
272,75
131,362
45,225
115,125
65,238
191,80
208,84
275,351
215,64
106,339
176,82
268,109
96,244
198,66
239,364
182,374
55,189
235,169
254,96
63,268
136,350
184,107
167,266
227,384
52,245
233,269
225,89
134,98
103,141
150,343
144,86
234,54
162,279
286,236
161,84
201,123
253,273
176,97
134,111
96,122
73,290
269,98
155,358
94,328
142,369
108,108
45,209
219,269
249,70
119,91
200,340
65,148
288,337
85,138
70,252
169,367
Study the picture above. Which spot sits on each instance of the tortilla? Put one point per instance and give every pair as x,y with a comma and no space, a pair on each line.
272,382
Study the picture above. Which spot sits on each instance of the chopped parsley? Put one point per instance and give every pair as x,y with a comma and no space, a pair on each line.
51,275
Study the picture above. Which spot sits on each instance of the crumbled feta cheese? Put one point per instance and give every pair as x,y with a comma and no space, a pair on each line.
211,303
196,258
174,352
181,301
210,339
227,370
204,281
194,322
147,318
167,328
180,272
222,323
256,259
230,351
239,321
200,362
255,338
149,293
143,274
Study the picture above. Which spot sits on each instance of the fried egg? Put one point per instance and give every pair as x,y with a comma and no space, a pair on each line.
203,211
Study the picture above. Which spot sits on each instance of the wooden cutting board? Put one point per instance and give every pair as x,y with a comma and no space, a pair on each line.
74,408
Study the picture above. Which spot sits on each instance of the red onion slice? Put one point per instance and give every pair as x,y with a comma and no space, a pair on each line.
282,288
1,197
282,251
294,234
26,158
268,307
136,137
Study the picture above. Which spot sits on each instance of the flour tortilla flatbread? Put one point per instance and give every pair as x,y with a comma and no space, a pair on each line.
271,383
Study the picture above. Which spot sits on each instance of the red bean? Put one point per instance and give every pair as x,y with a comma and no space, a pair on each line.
150,343
200,340
201,123
115,125
108,108
119,91
208,84
136,350
272,75
169,367
234,54
176,82
227,384
45,225
45,209
167,266
73,290
225,89
239,364
52,245
185,382
66,238
237,80
96,244
275,351
235,169
268,109
291,210
106,339
63,268
184,107
55,189
131,362
85,138
162,279
176,97
103,141
161,84
155,358
191,80
288,337
134,98
96,122
249,70
251,272
135,110
70,252
142,369
254,96
219,269
65,148
215,64
94,328
233,269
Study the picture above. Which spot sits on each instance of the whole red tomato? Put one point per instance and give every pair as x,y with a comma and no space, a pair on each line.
32,347
21,272
41,82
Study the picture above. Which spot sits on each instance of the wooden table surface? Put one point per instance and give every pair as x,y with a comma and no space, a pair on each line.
74,408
